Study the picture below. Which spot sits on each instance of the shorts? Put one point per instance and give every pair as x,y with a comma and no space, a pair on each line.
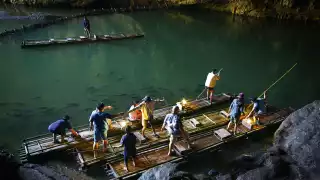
127,155
234,119
99,135
210,88
146,123
87,28
59,132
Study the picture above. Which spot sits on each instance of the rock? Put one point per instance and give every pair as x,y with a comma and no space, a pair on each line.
298,137
37,172
170,171
295,153
8,165
224,177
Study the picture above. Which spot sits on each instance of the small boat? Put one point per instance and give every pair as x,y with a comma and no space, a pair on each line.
210,137
42,144
78,40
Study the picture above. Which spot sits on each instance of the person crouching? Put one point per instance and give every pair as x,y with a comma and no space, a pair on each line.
58,128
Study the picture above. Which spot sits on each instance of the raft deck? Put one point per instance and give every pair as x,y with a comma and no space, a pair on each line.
78,40
43,144
204,141
206,121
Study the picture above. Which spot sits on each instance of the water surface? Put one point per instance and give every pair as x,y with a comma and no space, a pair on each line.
40,85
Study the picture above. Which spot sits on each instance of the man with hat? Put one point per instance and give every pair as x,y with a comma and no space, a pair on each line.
235,110
259,108
59,127
98,125
147,108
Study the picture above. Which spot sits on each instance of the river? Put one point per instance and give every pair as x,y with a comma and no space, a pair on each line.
40,85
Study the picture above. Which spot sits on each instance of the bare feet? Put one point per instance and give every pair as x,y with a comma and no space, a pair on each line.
125,169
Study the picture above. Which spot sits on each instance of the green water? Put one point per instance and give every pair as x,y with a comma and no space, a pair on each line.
40,85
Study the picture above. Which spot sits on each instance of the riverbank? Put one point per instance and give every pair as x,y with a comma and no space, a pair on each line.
307,11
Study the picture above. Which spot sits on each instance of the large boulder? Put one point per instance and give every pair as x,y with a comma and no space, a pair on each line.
37,172
170,171
294,155
8,165
298,137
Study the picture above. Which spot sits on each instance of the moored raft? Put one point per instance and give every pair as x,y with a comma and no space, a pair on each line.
78,40
43,144
203,141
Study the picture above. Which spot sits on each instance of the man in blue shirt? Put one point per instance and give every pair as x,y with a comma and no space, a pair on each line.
58,128
174,126
129,141
259,108
235,110
98,124
86,24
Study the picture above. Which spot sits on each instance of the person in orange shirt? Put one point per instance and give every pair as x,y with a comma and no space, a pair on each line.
135,115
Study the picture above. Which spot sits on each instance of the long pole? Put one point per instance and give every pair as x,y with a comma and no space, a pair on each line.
279,79
276,81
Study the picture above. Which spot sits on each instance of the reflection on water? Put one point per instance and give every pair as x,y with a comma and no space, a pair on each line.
40,85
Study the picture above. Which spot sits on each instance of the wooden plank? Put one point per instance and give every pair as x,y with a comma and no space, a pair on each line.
222,134
40,146
195,122
26,149
209,119
181,148
224,114
140,137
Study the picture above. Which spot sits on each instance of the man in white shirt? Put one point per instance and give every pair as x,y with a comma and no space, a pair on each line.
212,77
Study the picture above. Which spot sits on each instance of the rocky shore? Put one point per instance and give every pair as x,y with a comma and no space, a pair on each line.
307,10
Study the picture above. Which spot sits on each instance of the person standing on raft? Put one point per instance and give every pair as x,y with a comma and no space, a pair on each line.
147,108
129,141
58,128
210,83
235,110
86,24
174,126
100,127
259,108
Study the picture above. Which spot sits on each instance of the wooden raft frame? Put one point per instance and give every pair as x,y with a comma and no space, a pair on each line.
204,141
42,144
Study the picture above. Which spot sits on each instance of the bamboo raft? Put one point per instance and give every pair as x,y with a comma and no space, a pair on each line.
192,124
208,136
43,144
78,40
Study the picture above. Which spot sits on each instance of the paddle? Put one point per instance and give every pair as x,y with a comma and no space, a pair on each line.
205,87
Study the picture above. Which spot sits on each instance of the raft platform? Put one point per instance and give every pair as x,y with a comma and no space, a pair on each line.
37,146
206,121
78,40
207,140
